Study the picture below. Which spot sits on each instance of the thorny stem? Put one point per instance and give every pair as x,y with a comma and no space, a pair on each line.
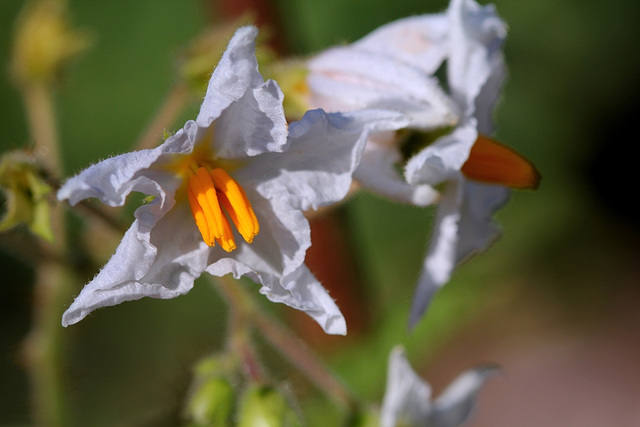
165,117
286,343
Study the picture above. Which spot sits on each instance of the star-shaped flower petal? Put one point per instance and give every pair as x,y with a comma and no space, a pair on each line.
229,190
407,400
363,75
445,145
460,159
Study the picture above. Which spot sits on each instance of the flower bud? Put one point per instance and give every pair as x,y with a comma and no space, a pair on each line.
264,406
212,397
212,403
25,191
363,418
44,42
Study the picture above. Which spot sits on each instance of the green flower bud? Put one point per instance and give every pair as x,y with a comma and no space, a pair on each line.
265,406
363,418
44,42
212,403
25,192
212,398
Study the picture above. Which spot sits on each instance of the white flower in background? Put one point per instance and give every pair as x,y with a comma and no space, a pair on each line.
354,77
237,157
476,171
407,400
393,68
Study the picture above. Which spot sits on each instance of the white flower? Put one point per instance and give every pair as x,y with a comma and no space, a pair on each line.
407,400
357,76
393,68
463,224
236,157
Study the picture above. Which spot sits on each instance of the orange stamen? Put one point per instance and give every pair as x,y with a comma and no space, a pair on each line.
211,192
235,202
200,218
207,213
494,163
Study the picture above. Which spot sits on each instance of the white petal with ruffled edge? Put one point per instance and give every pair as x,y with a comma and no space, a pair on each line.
163,252
158,260
338,138
442,160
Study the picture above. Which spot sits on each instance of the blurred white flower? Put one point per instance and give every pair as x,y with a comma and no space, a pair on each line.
357,76
475,170
237,157
407,400
394,67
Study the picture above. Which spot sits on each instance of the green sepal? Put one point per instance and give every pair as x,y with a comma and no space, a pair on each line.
26,191
291,76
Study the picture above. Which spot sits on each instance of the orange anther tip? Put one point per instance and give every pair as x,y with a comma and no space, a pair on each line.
494,163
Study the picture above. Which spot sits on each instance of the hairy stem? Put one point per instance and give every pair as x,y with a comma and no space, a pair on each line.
285,342
239,322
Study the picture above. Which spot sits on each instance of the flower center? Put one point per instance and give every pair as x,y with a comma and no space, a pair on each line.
493,163
212,191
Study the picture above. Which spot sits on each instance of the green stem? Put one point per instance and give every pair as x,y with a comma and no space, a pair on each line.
42,125
239,320
307,362
289,345
45,344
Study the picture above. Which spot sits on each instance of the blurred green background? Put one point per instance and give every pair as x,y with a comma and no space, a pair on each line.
554,301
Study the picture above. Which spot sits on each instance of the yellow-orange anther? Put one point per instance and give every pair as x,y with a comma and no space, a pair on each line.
211,222
201,219
234,200
213,193
491,162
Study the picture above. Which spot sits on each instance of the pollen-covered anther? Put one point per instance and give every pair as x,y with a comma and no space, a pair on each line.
494,163
205,207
